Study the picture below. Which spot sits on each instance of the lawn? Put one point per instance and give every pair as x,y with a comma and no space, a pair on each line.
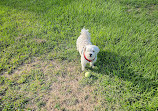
40,67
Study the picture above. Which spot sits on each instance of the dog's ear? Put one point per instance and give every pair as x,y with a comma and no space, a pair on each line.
84,49
97,49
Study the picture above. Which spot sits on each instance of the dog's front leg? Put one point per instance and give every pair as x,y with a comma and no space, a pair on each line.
83,63
83,67
92,64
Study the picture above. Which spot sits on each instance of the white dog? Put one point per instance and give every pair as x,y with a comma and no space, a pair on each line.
87,51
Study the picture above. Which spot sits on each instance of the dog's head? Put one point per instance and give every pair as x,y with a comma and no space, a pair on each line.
91,51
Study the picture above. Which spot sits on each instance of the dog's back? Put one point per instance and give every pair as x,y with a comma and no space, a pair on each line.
83,40
85,34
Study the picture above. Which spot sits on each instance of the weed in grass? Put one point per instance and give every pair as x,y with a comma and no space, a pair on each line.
57,106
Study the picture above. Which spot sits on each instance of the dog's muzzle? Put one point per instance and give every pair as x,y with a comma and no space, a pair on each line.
88,59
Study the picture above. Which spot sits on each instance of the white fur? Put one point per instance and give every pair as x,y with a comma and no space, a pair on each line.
84,46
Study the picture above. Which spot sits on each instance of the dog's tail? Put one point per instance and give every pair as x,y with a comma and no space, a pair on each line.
85,33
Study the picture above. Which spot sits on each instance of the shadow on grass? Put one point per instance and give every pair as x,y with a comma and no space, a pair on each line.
111,64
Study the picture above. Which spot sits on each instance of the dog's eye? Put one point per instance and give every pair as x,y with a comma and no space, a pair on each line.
93,51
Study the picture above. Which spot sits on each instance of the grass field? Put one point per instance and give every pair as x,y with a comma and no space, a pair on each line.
40,67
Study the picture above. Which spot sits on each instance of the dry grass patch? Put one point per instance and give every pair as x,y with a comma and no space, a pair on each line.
52,85
68,94
39,41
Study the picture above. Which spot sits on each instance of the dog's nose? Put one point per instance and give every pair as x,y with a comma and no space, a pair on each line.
90,55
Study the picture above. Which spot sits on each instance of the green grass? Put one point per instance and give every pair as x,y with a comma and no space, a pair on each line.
126,31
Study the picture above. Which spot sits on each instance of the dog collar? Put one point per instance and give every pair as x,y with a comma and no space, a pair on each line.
87,59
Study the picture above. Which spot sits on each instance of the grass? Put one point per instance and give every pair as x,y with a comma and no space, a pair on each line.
39,63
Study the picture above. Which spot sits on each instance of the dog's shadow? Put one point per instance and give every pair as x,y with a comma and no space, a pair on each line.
112,64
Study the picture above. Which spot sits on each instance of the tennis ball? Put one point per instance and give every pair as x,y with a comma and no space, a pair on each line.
87,74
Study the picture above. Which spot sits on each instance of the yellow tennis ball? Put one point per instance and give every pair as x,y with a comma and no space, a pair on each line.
87,74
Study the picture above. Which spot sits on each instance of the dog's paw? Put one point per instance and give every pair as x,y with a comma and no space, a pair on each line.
92,65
